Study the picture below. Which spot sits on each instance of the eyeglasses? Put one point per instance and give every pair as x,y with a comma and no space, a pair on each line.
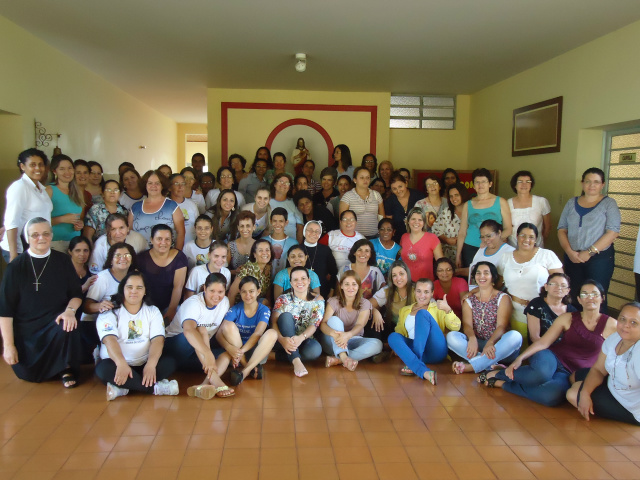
225,176
526,237
95,173
589,295
284,183
523,181
481,182
179,184
35,236
431,185
126,256
487,237
369,161
111,190
558,285
348,220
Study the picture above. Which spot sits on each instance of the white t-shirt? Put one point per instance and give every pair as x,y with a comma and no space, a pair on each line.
198,199
24,202
126,201
199,275
533,214
190,213
340,246
195,308
494,258
624,382
524,280
196,255
212,197
133,331
102,289
410,325
101,249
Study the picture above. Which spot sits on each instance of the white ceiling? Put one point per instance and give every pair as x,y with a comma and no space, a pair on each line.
167,53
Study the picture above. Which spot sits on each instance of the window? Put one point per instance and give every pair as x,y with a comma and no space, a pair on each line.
418,111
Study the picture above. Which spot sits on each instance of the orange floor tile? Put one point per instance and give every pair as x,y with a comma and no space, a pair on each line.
332,424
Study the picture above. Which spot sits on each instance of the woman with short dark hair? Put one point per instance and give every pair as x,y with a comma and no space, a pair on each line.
528,208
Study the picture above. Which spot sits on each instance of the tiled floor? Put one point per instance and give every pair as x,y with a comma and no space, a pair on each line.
331,424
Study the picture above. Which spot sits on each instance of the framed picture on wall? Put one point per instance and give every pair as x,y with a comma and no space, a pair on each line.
465,178
537,128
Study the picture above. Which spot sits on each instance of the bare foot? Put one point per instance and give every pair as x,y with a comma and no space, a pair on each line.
332,362
461,367
349,363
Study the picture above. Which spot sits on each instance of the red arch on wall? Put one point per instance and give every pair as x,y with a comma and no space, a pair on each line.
302,121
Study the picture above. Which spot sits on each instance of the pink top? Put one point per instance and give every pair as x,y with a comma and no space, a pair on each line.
458,285
579,346
419,256
349,318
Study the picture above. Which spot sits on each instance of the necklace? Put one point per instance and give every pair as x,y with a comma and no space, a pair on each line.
629,353
37,282
314,255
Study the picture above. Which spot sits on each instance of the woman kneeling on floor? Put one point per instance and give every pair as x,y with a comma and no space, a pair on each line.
132,336
296,316
191,342
244,334
343,325
611,388
547,377
485,321
419,336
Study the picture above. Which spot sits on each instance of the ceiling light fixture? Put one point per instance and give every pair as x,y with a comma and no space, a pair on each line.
301,63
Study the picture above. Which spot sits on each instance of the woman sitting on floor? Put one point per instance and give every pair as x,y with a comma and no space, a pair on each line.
553,301
485,319
244,333
343,325
419,336
132,336
296,317
611,388
546,379
191,338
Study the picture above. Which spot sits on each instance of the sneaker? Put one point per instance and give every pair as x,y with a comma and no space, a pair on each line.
114,392
166,387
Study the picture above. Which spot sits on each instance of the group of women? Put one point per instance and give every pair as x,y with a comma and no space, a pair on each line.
424,276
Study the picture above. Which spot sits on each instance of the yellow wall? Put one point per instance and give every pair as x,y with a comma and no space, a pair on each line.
248,130
433,149
600,86
97,120
183,130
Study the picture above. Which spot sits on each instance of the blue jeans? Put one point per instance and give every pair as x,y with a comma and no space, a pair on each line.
545,380
428,345
599,267
308,350
185,356
508,346
358,347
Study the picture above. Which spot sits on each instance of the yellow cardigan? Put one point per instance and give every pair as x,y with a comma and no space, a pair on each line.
449,320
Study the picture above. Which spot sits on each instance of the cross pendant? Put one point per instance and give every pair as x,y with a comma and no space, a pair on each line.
36,283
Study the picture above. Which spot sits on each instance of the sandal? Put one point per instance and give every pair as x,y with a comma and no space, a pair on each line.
406,371
207,392
236,377
458,367
257,372
482,378
351,364
432,377
67,376
332,362
491,382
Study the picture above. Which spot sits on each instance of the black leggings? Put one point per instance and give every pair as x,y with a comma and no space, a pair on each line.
604,404
106,371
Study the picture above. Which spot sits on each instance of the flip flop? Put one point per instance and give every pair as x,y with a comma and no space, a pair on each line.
406,371
432,377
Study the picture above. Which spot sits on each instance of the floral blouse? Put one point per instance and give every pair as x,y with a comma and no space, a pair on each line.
485,315
449,227
304,312
253,270
97,216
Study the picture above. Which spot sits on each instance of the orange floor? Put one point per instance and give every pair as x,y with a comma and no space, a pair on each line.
331,424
